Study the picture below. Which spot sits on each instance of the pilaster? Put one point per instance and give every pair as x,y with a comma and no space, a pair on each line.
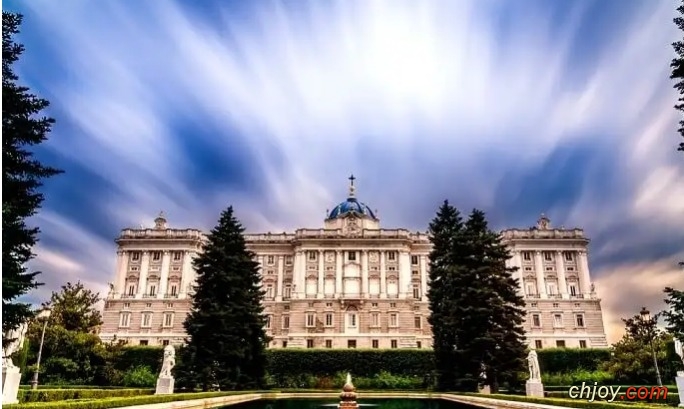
423,277
321,275
164,281
539,272
281,274
585,278
299,275
121,268
383,275
364,274
517,262
144,267
560,273
187,275
338,273
404,274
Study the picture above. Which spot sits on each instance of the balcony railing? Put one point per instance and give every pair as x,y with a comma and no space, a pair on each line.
127,295
170,295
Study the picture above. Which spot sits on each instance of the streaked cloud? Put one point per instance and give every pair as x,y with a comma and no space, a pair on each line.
556,107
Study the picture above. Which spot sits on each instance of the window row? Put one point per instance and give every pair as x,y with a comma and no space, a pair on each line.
350,320
156,255
146,319
152,290
568,256
558,321
350,256
552,288
351,343
538,344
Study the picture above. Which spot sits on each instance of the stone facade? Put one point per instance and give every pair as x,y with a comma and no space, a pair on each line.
350,284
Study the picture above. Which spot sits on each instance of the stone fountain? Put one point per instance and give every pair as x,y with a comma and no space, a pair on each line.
348,395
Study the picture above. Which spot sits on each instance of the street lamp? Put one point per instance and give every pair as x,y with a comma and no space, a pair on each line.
646,318
45,316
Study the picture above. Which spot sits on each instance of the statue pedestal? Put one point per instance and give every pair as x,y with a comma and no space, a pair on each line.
486,390
164,385
534,388
679,379
11,377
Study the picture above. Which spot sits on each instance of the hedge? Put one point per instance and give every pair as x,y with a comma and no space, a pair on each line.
107,403
50,395
368,362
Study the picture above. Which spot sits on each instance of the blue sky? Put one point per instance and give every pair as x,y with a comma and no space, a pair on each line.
516,108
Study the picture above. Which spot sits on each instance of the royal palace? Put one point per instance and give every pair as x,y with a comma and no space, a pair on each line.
350,284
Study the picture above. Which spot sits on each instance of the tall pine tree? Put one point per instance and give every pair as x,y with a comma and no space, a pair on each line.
226,335
501,338
444,231
22,174
677,66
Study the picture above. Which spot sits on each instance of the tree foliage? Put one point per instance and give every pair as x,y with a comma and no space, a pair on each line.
226,335
476,312
674,317
677,66
632,357
75,308
22,176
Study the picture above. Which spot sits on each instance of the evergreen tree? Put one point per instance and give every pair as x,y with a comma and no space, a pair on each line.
677,66
501,334
675,315
226,335
21,178
444,231
75,308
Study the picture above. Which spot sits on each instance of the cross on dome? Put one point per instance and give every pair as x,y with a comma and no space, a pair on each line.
352,189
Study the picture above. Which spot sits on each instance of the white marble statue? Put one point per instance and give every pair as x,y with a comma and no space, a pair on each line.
169,362
679,350
349,379
533,364
17,340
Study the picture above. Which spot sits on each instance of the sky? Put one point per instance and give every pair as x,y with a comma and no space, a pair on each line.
516,108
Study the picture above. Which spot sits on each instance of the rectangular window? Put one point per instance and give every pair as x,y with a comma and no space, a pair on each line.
144,342
538,344
125,319
146,320
580,320
135,256
309,343
270,260
560,344
174,290
156,255
268,322
419,344
328,343
393,320
375,319
310,320
548,256
177,256
131,289
288,260
352,320
375,343
287,292
536,320
312,255
351,256
286,321
351,343
583,343
391,255
284,344
557,320
527,256
269,291
165,342
393,343
393,305
568,256
418,321
153,290
414,260
416,291
573,290
552,289
168,319
328,320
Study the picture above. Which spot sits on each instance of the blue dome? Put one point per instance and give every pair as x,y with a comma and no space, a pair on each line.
351,205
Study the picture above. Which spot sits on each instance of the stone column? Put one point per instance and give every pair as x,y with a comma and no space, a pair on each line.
519,274
164,280
585,279
187,275
144,267
383,275
338,273
560,273
405,274
539,270
121,269
364,274
321,275
423,277
281,273
299,275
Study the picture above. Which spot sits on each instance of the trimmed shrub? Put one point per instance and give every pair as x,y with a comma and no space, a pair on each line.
140,376
51,395
577,377
564,360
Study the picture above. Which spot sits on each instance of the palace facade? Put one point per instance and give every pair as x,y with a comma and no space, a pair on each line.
351,284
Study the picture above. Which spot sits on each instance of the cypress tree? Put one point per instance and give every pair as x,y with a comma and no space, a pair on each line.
226,326
22,176
444,230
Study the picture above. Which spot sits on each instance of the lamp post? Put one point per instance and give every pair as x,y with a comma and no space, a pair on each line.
646,318
45,316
